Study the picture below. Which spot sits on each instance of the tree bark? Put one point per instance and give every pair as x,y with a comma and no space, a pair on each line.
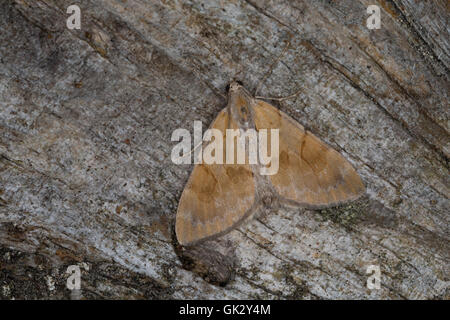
86,118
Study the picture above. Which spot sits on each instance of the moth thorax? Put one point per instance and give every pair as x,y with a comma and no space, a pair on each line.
243,116
239,103
244,113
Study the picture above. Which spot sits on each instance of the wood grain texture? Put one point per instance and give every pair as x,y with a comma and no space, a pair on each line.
86,118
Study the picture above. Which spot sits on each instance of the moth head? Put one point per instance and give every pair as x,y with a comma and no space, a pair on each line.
234,86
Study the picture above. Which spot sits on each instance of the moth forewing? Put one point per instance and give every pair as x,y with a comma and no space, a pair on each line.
216,198
311,173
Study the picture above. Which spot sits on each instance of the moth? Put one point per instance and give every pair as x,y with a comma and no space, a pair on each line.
219,197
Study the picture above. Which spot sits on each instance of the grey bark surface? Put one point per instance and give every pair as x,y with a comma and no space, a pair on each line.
86,118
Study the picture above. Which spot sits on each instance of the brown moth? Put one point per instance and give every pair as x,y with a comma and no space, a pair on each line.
218,197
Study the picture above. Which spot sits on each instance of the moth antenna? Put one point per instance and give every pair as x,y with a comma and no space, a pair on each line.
213,89
210,86
272,66
192,151
280,98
